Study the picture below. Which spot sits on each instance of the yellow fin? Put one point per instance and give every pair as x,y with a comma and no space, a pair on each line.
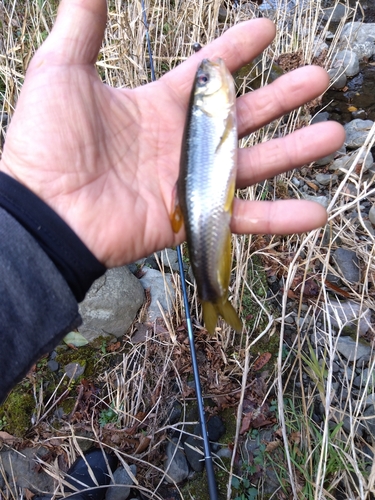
210,316
225,309
177,219
223,271
228,206
229,314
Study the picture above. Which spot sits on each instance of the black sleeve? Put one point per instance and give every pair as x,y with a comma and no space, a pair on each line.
44,270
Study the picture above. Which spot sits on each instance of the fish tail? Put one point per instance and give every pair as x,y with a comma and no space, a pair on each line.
223,308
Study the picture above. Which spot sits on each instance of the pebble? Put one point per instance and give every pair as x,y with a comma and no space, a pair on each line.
322,200
346,61
175,465
347,263
121,477
371,215
335,14
356,132
326,179
161,291
53,365
353,351
193,447
74,370
337,77
345,163
346,315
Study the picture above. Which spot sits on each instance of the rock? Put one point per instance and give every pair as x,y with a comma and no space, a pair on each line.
323,116
347,263
23,469
322,200
223,14
346,315
347,62
371,215
53,365
215,428
74,370
346,162
175,465
335,14
193,447
360,38
352,350
121,477
366,377
325,160
169,259
356,132
161,291
111,304
326,179
338,78
368,226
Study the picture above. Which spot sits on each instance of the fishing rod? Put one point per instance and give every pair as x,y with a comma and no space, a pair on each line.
212,488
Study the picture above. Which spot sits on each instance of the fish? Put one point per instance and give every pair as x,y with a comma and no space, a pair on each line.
206,186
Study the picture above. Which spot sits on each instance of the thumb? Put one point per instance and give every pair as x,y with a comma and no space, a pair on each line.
77,33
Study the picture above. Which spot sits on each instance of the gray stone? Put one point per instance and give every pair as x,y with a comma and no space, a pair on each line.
53,365
356,132
23,469
169,259
323,116
322,200
346,162
347,316
368,226
337,77
346,61
161,291
371,215
347,263
121,477
111,304
352,350
326,179
360,37
193,448
74,370
325,160
175,465
335,14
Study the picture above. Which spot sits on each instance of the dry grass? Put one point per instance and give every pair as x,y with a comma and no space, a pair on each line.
152,374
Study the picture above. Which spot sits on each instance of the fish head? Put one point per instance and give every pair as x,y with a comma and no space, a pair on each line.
214,87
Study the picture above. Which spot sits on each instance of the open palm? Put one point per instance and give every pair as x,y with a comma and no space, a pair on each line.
106,160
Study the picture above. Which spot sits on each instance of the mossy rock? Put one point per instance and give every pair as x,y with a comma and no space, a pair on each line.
17,411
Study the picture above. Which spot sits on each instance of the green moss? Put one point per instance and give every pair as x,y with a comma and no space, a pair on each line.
17,411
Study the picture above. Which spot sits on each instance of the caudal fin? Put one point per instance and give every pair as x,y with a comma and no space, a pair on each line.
223,308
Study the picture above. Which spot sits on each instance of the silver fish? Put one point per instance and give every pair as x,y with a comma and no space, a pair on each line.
206,186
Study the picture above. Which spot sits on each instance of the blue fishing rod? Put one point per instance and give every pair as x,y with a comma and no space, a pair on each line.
212,488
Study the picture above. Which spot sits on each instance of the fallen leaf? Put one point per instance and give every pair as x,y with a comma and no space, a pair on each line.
272,445
352,108
143,444
312,185
261,361
113,347
7,438
75,339
28,494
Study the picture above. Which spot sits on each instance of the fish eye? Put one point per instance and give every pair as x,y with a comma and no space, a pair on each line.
202,79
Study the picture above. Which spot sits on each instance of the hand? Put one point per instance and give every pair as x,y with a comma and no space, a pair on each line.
107,160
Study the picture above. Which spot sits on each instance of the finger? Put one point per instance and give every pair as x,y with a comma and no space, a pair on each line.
236,47
271,158
78,32
276,217
280,97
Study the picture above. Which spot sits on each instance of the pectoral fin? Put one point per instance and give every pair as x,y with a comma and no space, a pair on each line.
177,219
